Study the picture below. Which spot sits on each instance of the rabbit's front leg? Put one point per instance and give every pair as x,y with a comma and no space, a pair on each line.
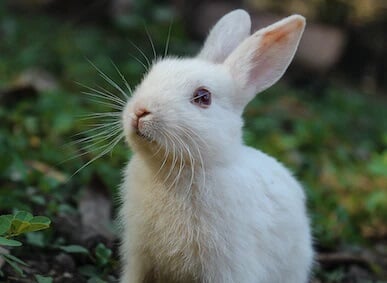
136,269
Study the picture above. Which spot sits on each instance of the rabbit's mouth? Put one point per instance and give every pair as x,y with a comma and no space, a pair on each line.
143,136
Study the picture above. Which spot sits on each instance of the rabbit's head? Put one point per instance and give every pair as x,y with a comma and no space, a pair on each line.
192,107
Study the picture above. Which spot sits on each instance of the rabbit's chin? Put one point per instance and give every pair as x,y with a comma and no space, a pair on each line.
142,141
139,138
144,137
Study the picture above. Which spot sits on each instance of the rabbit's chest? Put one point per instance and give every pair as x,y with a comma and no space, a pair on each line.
179,235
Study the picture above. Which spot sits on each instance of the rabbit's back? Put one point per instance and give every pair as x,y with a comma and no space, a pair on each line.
268,208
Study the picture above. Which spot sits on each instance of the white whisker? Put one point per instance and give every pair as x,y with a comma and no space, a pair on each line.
123,79
168,39
191,160
181,164
165,157
100,137
85,132
111,105
108,122
189,132
114,115
109,147
87,149
111,100
108,93
191,157
106,127
102,93
174,161
141,52
108,79
141,63
151,42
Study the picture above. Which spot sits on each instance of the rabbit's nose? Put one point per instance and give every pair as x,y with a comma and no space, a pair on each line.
138,114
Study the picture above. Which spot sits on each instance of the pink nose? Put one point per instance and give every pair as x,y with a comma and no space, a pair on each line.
138,114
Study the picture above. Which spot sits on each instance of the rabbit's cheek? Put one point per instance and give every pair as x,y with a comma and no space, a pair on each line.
141,125
134,121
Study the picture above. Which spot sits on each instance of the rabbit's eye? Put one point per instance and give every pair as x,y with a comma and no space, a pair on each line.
201,97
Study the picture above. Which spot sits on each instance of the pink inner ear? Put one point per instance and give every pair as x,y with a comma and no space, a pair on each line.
261,60
274,44
281,33
258,69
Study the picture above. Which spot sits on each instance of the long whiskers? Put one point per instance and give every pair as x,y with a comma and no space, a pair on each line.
89,143
181,163
174,160
198,145
100,115
148,62
106,132
103,94
182,150
108,148
164,144
185,148
168,38
105,129
127,85
151,42
109,80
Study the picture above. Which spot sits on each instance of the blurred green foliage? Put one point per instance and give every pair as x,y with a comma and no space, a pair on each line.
12,226
335,142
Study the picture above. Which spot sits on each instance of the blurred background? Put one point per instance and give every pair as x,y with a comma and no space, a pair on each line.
326,120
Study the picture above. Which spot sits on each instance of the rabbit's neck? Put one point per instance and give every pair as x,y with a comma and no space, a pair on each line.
179,172
183,172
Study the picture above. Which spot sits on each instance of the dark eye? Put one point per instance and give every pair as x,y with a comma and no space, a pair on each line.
201,97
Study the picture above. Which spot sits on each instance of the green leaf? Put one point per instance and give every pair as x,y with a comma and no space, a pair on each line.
9,242
35,227
19,227
15,259
74,249
36,239
88,270
38,223
23,216
96,280
43,279
38,199
24,222
40,220
15,266
103,254
5,223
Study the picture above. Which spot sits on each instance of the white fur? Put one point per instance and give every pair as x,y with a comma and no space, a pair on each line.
225,36
198,205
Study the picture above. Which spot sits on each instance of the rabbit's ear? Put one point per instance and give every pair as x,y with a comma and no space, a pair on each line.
262,59
225,36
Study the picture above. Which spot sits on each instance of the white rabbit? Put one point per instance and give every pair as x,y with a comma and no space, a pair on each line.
199,205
